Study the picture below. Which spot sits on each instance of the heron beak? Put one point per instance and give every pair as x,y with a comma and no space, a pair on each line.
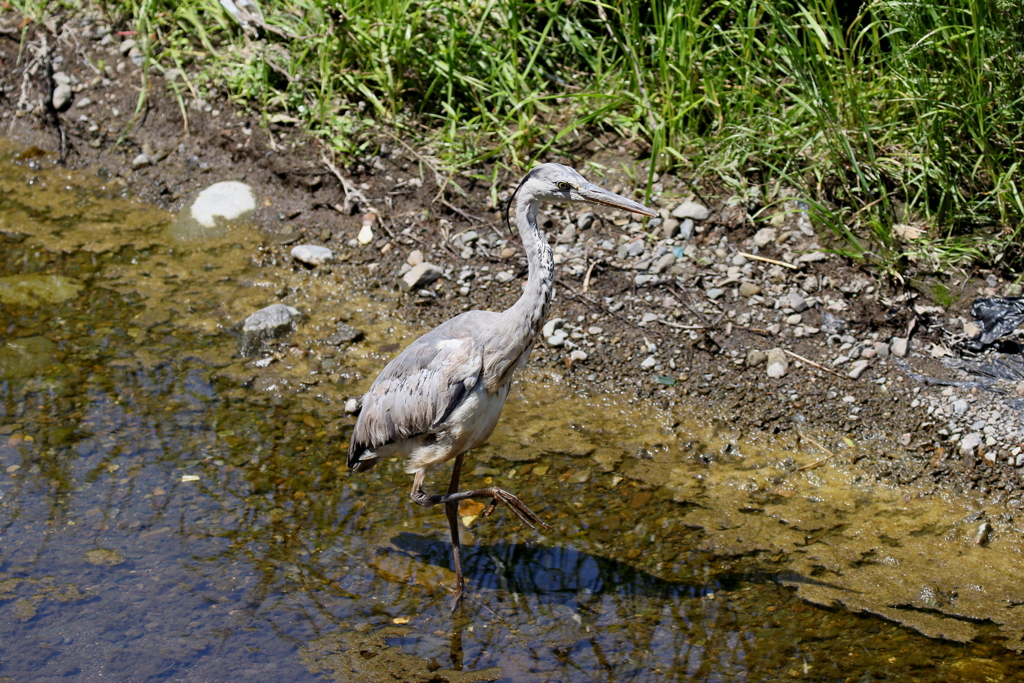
593,194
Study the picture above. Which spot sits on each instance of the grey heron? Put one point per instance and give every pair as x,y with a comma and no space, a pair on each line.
442,396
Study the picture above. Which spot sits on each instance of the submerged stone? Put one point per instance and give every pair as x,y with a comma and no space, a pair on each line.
26,356
276,320
35,290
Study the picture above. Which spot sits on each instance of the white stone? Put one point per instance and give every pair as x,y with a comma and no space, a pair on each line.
857,368
969,444
229,200
311,254
697,212
552,325
62,95
504,276
898,346
648,318
140,161
777,369
555,340
415,257
765,236
649,363
365,235
577,356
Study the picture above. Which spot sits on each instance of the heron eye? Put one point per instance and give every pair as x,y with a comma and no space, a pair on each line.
562,185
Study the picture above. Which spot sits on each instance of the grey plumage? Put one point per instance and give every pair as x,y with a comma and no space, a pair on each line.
443,395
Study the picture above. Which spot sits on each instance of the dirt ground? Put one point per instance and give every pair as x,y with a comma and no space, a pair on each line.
678,336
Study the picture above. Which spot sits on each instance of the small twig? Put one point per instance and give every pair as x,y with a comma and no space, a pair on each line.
586,278
469,217
353,196
682,327
769,260
816,462
815,365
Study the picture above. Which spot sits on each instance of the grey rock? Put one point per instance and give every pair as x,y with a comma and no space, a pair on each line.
421,276
898,346
61,78
882,349
504,276
813,256
345,334
140,161
794,319
797,302
697,212
715,293
756,357
276,320
83,103
62,96
634,248
648,318
810,284
686,229
470,236
312,255
960,406
126,46
857,368
649,362
663,263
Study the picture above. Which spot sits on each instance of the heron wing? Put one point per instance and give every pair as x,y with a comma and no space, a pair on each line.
416,392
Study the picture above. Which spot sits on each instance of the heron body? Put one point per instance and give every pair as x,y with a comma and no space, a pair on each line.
443,395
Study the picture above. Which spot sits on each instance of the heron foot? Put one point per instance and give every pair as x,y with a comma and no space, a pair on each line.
525,514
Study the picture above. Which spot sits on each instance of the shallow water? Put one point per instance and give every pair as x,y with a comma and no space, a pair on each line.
172,511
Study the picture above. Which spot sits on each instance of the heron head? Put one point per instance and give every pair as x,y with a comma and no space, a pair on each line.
558,183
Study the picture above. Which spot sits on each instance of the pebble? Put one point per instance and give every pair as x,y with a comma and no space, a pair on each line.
778,365
555,340
648,318
882,349
345,334
229,200
62,96
898,346
649,363
83,103
669,228
971,330
353,405
755,357
140,161
552,325
663,263
312,255
794,319
765,236
585,220
420,276
686,229
797,302
749,289
692,210
969,444
504,276
715,293
415,257
365,235
577,356
857,368
595,330
634,248
273,321
507,252
960,406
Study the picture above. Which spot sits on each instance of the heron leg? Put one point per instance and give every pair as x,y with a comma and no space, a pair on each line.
451,511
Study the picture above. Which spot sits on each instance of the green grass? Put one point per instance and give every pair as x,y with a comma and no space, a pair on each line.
889,112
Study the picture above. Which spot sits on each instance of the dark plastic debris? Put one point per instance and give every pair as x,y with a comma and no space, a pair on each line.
998,316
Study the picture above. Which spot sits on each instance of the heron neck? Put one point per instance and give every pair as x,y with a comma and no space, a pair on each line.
532,307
